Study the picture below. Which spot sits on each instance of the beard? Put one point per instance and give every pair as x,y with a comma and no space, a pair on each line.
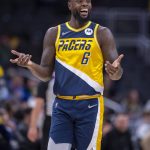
81,19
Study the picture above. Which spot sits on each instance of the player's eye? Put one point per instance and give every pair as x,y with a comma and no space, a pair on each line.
88,1
78,1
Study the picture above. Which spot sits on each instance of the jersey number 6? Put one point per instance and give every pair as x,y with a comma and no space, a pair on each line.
85,58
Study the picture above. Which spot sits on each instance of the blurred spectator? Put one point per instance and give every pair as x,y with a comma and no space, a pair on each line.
107,127
4,134
18,88
22,128
31,85
132,104
145,143
119,138
10,126
143,132
4,93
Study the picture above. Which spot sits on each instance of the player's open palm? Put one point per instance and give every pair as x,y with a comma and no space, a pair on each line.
21,59
113,68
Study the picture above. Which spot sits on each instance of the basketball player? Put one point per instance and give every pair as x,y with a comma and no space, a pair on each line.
77,51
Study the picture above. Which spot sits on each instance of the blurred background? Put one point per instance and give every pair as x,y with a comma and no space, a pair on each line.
23,24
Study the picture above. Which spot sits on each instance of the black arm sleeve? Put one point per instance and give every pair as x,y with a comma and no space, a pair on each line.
41,89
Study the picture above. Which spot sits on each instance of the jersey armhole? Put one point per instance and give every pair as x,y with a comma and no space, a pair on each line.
58,35
95,34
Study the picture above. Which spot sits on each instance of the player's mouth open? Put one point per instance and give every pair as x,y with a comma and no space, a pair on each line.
84,12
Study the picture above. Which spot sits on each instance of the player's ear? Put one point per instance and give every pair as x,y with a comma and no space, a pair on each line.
69,4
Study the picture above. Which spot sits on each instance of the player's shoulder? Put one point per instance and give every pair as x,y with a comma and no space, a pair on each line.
104,33
51,33
52,30
103,30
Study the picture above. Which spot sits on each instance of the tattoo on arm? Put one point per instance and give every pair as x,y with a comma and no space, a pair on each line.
48,56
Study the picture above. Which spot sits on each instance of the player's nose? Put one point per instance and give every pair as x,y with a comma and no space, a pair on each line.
84,3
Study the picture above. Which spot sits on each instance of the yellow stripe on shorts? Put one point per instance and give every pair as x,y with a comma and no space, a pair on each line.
99,138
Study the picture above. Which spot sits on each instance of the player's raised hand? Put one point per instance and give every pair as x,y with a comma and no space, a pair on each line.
113,68
21,59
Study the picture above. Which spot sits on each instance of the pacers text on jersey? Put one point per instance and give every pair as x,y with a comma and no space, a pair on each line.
73,44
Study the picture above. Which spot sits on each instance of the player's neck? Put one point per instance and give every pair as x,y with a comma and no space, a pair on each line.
76,24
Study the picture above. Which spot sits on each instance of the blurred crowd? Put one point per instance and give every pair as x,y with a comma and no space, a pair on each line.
127,114
127,128
16,102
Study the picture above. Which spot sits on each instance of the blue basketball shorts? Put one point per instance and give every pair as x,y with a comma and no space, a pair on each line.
76,123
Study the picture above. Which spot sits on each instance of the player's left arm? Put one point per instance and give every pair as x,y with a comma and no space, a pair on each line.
110,54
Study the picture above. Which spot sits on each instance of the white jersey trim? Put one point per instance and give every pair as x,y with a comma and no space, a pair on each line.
93,142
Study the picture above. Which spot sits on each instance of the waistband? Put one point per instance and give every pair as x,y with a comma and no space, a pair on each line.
80,97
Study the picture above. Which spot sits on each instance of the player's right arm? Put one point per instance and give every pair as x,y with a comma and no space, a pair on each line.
45,69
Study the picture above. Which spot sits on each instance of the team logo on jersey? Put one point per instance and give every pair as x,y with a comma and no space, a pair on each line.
88,31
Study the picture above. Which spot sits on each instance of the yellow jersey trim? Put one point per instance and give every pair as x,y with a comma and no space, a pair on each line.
80,97
58,35
101,110
80,29
95,35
